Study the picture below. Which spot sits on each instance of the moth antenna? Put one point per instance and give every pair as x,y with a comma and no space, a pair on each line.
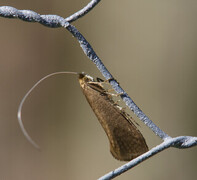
25,97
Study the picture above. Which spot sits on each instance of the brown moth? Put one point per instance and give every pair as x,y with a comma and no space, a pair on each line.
126,141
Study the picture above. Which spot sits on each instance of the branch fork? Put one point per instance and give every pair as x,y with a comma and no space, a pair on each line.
54,21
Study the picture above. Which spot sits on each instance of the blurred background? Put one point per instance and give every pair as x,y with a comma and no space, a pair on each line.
149,47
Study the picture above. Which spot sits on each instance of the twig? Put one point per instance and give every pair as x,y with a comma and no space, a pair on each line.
54,21
179,142
83,11
88,50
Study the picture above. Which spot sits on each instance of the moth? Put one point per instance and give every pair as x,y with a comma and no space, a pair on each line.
126,141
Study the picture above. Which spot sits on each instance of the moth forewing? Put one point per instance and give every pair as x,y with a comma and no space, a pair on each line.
126,141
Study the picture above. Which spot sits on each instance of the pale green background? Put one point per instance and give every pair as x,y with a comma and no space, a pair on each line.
150,46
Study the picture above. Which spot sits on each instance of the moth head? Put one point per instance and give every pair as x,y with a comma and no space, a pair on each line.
84,78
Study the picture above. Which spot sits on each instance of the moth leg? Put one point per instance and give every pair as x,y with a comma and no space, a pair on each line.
122,109
113,94
106,81
117,101
99,80
112,79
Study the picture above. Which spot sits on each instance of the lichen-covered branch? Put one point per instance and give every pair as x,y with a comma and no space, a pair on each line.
179,142
55,21
83,11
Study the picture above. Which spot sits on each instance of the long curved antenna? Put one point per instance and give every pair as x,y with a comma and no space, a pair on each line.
25,97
